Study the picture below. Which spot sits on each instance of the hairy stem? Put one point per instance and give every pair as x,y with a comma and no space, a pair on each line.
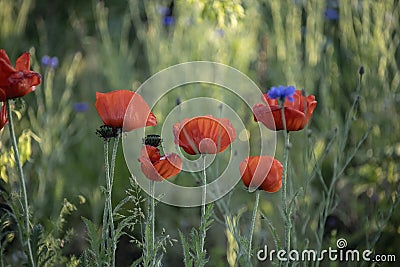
105,233
286,212
109,242
203,206
253,222
110,210
25,208
151,218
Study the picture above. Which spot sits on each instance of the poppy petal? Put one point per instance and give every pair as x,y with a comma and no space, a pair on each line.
170,165
151,120
19,81
311,104
23,63
151,152
214,134
138,114
4,56
3,116
297,113
6,70
263,172
148,169
263,114
124,108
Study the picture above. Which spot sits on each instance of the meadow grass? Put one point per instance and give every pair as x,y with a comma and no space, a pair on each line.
343,173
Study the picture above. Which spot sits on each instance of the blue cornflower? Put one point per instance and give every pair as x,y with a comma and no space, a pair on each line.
81,107
331,14
46,60
168,20
281,92
51,62
54,62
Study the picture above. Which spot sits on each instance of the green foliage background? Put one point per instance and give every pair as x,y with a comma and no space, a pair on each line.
109,45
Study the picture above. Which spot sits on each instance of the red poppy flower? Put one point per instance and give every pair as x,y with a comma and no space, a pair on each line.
113,108
18,81
204,134
3,116
297,113
264,171
158,168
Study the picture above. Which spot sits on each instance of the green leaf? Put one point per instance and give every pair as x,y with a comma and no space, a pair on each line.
36,239
186,251
93,239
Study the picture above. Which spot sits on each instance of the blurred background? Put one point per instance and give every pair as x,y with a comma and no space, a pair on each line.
344,171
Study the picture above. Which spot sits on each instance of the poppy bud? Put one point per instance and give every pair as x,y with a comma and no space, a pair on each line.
361,71
152,140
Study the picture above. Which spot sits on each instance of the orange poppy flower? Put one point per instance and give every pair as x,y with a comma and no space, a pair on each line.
297,112
204,134
112,107
158,168
18,81
3,116
264,171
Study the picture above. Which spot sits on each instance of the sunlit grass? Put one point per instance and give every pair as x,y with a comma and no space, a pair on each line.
119,46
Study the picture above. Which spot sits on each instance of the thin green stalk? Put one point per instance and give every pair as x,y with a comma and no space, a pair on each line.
151,214
203,205
110,209
114,155
25,208
286,212
109,242
253,222
104,243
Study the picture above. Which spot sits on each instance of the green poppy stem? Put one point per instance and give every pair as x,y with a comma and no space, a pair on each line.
288,224
203,205
25,208
151,214
253,222
109,241
105,232
110,210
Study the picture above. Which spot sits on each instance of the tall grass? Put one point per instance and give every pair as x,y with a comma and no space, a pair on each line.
343,176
